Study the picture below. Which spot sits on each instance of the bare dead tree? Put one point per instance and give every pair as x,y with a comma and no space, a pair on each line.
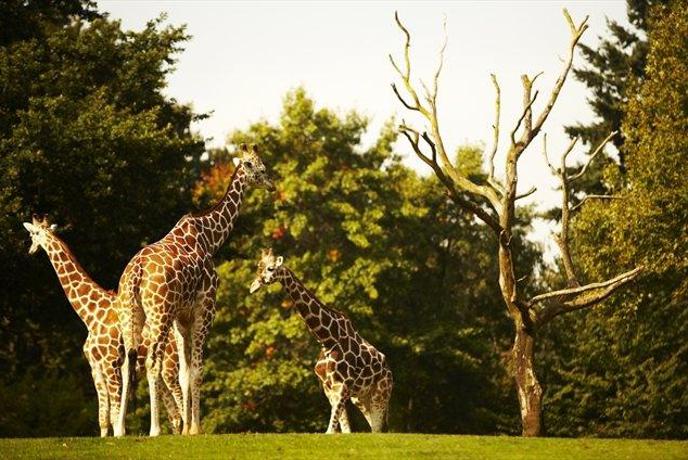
494,203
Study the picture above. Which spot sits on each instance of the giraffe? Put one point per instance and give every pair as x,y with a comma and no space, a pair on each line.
348,367
103,346
173,283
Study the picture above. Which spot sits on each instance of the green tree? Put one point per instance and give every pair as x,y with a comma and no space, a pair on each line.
628,372
86,136
354,224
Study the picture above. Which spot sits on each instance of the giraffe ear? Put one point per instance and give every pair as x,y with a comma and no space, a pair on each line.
28,226
244,148
254,148
236,161
53,227
278,262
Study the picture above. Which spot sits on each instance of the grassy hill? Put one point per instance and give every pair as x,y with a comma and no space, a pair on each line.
355,446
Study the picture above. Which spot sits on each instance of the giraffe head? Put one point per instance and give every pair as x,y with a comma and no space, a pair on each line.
38,229
267,265
256,173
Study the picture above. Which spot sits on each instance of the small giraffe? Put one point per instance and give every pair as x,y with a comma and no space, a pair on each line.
173,282
103,347
348,366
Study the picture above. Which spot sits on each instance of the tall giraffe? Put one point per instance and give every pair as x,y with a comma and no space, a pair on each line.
173,281
103,347
348,366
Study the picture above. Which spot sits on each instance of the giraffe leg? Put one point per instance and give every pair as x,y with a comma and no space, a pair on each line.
183,339
113,380
344,421
343,424
203,320
171,408
153,371
338,403
200,332
101,390
380,397
172,391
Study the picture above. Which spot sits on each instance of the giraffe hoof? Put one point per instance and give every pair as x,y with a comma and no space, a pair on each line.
154,432
103,432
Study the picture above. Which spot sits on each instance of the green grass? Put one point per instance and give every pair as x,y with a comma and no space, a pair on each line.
350,447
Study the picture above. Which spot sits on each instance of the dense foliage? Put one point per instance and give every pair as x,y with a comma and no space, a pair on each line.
627,370
86,136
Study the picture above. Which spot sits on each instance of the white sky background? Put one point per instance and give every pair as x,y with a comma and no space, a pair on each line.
245,56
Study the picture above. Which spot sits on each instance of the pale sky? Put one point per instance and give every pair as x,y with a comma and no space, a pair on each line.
245,56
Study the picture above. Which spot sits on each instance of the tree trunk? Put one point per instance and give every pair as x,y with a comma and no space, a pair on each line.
529,390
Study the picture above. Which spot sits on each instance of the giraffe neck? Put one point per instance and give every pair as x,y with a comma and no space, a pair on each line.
321,320
84,294
217,223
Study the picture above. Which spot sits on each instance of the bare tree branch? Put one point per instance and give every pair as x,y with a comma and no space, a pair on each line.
527,89
406,74
524,114
565,156
436,78
431,144
554,170
594,197
599,148
571,299
405,104
576,34
562,239
413,138
495,128
528,193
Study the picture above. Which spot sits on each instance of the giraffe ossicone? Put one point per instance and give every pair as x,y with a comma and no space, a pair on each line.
348,366
171,284
103,345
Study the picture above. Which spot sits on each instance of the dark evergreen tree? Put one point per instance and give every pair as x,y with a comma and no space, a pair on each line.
612,68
